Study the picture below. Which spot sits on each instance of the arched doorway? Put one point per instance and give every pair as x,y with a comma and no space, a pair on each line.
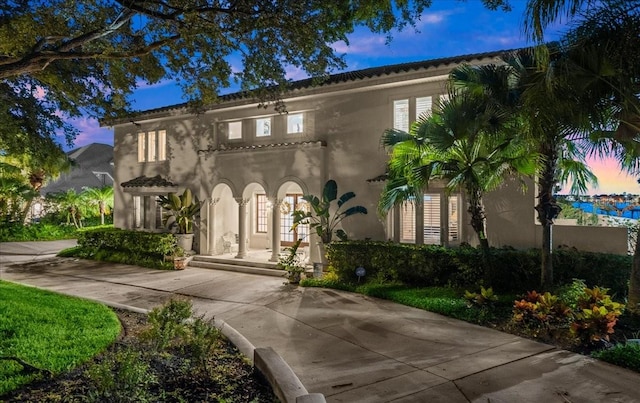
290,196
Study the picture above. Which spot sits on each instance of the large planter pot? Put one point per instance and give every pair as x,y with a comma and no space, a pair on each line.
185,241
322,256
179,262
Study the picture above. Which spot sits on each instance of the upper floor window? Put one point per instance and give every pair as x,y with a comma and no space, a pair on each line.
402,116
152,146
423,106
234,130
263,127
442,98
295,123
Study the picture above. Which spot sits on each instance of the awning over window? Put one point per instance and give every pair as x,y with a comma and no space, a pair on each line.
145,184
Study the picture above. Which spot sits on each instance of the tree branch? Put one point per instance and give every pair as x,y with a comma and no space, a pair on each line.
28,368
40,60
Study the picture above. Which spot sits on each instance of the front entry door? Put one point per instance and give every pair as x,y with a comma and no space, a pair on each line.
287,236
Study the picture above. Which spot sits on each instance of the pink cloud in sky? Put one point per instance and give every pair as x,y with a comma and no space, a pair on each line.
611,180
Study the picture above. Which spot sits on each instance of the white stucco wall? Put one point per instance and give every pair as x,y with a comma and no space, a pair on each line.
343,124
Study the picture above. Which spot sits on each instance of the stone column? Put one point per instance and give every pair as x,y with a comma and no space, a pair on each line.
242,227
211,233
275,228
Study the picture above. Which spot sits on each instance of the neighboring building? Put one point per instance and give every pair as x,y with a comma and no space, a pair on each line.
92,167
252,165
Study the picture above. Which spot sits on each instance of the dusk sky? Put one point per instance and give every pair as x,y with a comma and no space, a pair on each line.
448,28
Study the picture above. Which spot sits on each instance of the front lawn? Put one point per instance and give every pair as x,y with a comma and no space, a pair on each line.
51,332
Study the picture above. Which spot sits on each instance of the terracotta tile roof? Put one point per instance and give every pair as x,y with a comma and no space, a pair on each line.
227,147
349,76
145,181
379,178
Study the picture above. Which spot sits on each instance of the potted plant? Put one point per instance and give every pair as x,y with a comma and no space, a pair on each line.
182,210
320,218
291,263
179,258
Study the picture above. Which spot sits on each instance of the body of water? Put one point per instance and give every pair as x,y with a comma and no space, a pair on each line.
613,209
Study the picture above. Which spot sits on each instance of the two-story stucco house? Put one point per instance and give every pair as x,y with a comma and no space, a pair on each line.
252,165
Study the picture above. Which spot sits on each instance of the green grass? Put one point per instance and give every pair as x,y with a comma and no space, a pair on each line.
442,300
49,331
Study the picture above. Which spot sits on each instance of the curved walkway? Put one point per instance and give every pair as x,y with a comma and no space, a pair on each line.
349,347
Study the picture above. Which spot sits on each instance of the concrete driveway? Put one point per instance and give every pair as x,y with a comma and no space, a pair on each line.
350,347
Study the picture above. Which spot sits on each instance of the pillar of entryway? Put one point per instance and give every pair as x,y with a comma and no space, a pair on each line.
211,233
242,227
275,229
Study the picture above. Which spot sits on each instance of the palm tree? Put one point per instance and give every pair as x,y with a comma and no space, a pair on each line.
102,197
461,144
602,47
73,204
530,90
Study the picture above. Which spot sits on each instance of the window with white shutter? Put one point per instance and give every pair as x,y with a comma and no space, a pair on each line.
408,223
152,146
162,145
454,219
401,115
431,218
142,147
423,106
151,154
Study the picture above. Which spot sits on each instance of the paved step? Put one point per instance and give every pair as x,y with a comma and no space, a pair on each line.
238,265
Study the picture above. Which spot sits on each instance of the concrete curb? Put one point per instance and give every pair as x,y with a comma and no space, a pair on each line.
274,369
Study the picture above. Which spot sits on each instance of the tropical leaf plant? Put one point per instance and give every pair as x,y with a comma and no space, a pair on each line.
182,210
319,215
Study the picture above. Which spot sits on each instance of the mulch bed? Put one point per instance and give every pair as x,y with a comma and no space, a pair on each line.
233,379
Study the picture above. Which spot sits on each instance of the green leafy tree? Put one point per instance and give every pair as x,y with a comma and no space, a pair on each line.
63,58
466,144
102,198
23,175
602,55
551,118
73,204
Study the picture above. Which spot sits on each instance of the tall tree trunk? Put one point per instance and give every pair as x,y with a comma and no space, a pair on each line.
478,217
633,303
101,206
548,210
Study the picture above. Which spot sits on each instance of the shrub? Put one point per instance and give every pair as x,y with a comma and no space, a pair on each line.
147,243
595,316
506,269
17,232
483,298
541,314
624,355
121,376
168,323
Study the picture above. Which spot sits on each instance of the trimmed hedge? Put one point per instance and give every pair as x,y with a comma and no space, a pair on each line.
507,270
134,242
